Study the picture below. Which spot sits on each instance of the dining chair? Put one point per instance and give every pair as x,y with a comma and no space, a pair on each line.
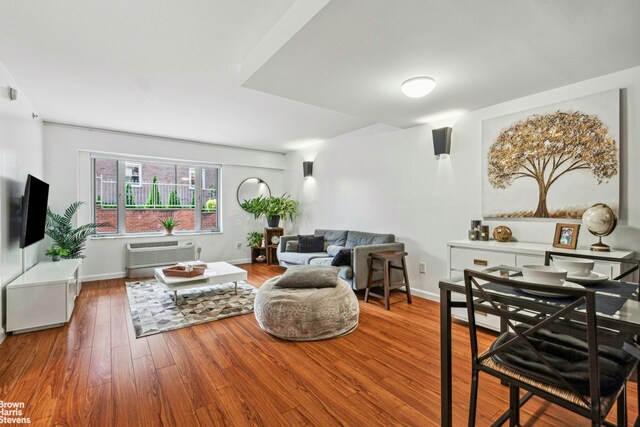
544,354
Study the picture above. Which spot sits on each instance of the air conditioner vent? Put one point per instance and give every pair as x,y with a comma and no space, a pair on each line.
142,258
153,244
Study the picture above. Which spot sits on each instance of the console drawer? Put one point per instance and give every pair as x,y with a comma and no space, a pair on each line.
462,258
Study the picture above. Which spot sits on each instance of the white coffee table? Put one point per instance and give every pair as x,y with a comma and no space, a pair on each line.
216,273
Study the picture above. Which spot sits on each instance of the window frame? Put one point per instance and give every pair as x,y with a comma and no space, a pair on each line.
192,179
122,162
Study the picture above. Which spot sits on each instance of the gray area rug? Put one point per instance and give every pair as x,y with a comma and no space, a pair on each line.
153,309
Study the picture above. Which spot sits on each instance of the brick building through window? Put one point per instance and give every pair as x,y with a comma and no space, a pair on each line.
154,190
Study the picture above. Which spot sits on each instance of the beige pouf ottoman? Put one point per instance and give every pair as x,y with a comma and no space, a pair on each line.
306,314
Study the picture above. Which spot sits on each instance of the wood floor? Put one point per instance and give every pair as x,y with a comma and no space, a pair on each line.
93,371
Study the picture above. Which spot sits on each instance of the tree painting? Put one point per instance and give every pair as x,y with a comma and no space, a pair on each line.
547,147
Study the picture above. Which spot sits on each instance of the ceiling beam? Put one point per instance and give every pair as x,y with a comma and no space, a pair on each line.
298,15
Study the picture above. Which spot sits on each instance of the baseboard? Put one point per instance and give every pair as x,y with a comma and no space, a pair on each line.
425,294
122,274
240,261
106,276
3,335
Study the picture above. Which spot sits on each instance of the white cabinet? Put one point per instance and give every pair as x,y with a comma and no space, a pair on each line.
462,258
44,296
478,255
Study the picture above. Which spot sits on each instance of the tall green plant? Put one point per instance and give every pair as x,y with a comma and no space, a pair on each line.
283,206
128,195
154,193
254,206
64,235
174,199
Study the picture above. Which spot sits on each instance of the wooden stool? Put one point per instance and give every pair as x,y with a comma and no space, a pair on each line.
385,258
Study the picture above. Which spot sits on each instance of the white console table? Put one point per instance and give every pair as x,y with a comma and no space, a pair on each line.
44,296
478,255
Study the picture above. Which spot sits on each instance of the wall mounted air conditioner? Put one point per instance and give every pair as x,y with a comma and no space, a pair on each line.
143,258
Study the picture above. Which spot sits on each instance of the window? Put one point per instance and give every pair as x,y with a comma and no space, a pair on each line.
131,203
133,172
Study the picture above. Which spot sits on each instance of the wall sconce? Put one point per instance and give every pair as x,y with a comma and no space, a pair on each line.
442,142
307,169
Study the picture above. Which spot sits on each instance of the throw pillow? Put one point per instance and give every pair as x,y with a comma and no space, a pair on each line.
343,257
307,244
292,246
309,276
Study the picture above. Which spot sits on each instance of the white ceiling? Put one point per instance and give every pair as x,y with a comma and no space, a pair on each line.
159,67
280,74
354,54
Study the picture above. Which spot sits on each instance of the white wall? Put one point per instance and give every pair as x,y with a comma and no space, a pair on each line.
20,155
67,167
383,180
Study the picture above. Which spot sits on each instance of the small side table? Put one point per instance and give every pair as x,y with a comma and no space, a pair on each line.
272,238
256,252
384,261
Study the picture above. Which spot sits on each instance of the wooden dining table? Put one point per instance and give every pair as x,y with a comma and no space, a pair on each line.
616,303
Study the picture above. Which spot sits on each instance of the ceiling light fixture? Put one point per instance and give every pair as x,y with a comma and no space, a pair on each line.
417,87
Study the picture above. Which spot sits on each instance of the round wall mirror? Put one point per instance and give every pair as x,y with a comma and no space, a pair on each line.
251,188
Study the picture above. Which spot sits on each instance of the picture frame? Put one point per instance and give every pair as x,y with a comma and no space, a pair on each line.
566,236
547,136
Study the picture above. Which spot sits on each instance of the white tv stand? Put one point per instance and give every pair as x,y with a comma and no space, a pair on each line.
44,296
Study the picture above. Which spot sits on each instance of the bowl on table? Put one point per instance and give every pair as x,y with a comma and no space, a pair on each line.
544,275
575,267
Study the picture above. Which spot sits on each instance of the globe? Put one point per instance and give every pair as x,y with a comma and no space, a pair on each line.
600,220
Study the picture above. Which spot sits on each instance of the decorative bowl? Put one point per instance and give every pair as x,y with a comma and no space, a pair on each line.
575,267
544,275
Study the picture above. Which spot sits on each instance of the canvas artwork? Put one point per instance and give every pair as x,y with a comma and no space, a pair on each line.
554,161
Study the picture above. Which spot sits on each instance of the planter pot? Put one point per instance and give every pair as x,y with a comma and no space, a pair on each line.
55,258
273,221
169,230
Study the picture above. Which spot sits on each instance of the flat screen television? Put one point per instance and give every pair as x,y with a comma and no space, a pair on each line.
34,211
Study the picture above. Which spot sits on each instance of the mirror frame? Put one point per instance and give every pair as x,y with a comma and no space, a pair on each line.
245,180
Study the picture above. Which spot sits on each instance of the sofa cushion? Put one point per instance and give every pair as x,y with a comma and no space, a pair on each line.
360,238
343,257
335,237
308,244
300,258
292,246
346,272
309,276
333,250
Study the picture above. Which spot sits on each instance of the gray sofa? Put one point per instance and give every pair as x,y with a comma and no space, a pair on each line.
362,244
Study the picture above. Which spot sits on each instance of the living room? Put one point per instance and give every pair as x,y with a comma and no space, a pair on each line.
252,90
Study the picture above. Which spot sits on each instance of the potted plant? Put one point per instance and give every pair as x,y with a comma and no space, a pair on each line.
169,223
55,252
64,236
272,207
254,206
255,239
